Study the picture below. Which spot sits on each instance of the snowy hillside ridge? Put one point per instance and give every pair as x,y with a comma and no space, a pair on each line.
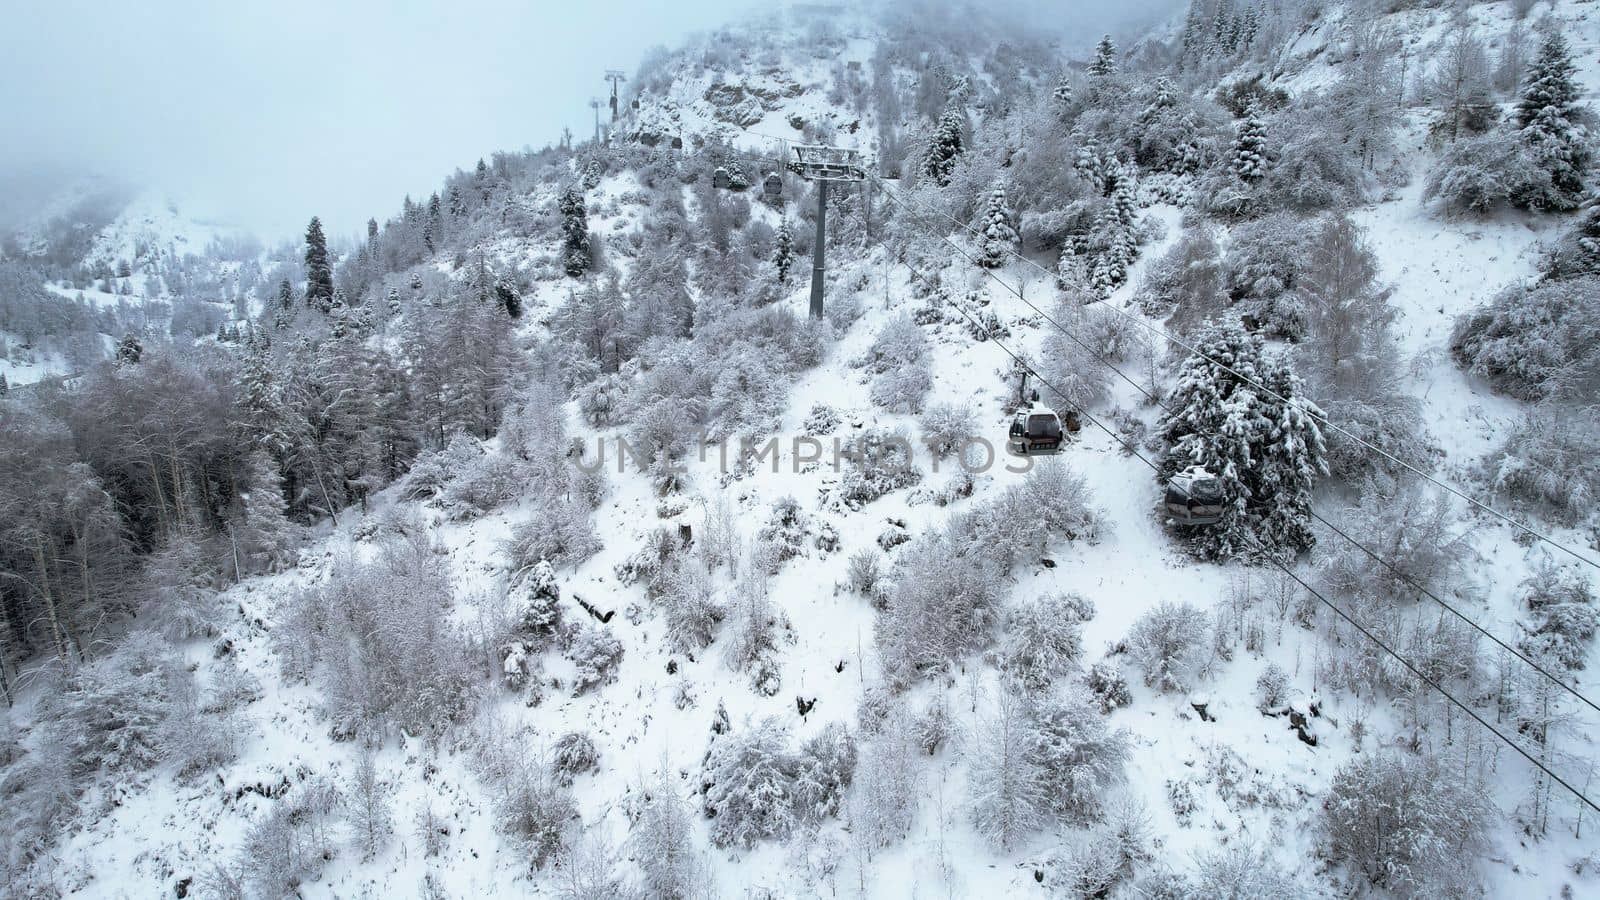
541,544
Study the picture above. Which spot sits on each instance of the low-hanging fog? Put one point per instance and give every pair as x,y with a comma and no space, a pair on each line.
262,114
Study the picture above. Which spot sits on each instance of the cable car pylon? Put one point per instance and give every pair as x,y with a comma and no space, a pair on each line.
824,165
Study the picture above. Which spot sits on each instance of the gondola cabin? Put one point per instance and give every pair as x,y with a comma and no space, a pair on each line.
720,179
772,186
1194,497
1036,431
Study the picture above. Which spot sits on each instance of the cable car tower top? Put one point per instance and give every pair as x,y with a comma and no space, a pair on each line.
815,162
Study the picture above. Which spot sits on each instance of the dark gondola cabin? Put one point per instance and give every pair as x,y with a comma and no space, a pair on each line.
772,185
720,179
1036,431
1194,497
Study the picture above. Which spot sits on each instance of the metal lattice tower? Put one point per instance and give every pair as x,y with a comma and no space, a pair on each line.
824,165
616,77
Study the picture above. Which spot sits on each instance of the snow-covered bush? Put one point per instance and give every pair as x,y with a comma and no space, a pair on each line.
574,754
1053,503
1411,824
486,483
1074,369
863,571
1186,282
1272,687
750,776
1105,681
787,530
431,473
1167,643
943,604
1564,617
596,653
877,461
1076,757
530,805
1416,534
1006,792
1551,462
757,627
1534,341
560,532
1481,173
898,361
1043,638
1243,871
376,640
946,427
689,607
824,769
1266,260
821,420
293,840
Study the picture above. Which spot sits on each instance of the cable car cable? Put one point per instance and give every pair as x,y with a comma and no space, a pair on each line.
1367,633
1153,398
1317,415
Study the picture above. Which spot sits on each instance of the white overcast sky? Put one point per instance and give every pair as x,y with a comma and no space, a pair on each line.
264,113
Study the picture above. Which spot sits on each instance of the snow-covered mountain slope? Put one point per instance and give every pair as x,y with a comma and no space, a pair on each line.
1209,772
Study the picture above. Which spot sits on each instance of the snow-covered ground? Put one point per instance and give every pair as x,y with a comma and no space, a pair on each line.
148,837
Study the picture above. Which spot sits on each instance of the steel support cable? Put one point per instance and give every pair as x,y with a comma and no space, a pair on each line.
1393,569
1354,623
1315,413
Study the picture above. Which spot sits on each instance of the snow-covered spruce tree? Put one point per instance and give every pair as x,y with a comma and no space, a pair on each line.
999,238
1248,156
750,775
1115,243
783,252
574,233
1105,59
945,146
1552,124
1267,451
319,270
1062,95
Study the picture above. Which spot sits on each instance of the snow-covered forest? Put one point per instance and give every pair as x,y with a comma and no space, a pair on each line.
543,544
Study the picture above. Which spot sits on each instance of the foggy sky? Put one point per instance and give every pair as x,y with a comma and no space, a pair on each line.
265,113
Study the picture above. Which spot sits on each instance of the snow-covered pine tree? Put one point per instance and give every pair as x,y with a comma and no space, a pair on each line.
130,350
1070,274
1267,452
1105,59
783,252
944,148
1551,119
319,270
394,301
575,234
1090,166
1248,156
999,238
540,613
1062,95
1116,241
